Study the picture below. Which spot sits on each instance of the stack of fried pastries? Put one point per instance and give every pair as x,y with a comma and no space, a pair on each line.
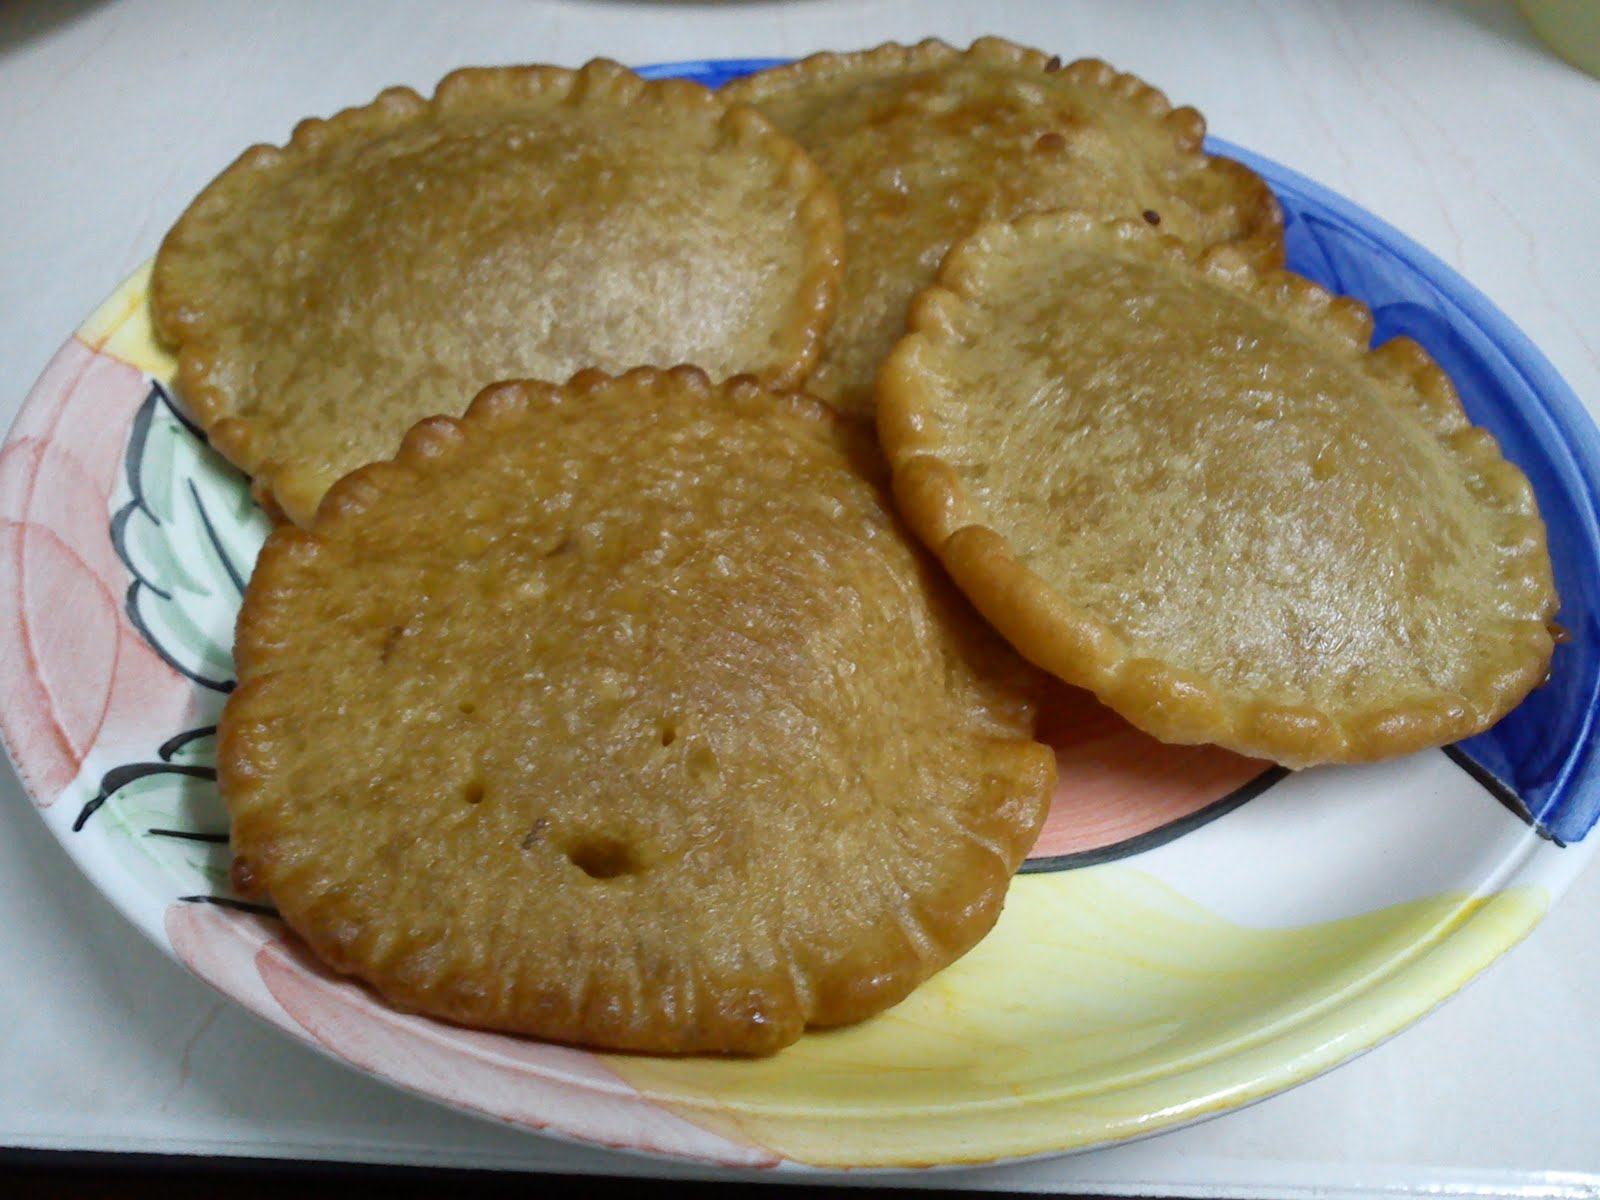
625,707
925,142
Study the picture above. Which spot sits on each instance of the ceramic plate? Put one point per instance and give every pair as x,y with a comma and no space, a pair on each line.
1191,933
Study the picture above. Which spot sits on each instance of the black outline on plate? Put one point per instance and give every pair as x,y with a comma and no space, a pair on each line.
132,459
178,741
1501,791
1170,832
1162,834
188,835
117,778
264,910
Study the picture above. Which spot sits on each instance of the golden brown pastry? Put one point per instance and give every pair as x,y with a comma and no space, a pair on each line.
524,222
1195,491
925,142
624,713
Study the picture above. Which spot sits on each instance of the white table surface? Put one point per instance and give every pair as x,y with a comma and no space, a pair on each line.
1445,117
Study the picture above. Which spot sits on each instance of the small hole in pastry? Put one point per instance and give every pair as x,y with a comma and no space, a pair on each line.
602,857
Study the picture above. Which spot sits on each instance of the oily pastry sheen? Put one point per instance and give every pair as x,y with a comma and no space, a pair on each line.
925,142
624,713
1192,489
524,222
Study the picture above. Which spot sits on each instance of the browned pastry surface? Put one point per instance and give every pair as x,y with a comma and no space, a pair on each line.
523,223
1194,490
925,142
626,714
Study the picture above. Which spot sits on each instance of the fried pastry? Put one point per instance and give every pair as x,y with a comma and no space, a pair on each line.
523,223
1194,490
925,142
625,713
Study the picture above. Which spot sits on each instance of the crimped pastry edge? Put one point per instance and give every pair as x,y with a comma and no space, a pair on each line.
432,437
1028,765
1168,702
1259,217
187,330
1185,124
